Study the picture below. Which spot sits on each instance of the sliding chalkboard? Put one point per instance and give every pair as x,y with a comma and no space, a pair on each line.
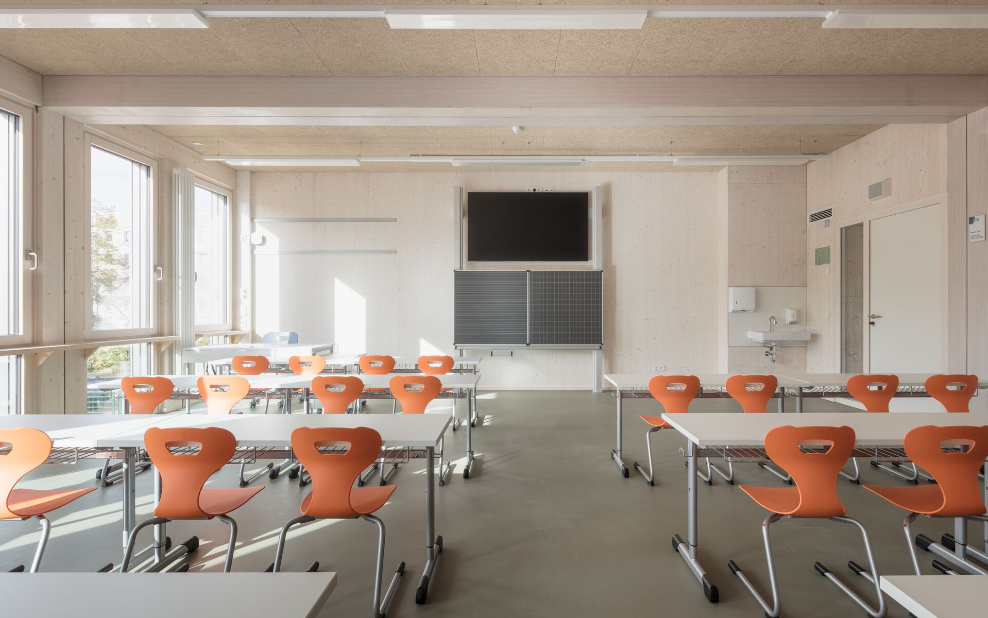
544,308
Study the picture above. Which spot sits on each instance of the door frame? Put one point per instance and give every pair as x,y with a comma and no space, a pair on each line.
866,220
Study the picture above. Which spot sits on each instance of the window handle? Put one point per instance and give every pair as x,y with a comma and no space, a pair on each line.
160,272
35,260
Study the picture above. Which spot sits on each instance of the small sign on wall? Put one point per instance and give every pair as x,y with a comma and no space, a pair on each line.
822,256
976,228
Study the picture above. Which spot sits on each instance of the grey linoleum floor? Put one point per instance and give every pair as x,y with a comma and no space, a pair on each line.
545,527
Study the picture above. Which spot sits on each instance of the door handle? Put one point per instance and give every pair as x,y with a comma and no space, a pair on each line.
873,316
33,256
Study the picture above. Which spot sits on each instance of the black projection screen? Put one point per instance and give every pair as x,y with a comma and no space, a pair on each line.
528,227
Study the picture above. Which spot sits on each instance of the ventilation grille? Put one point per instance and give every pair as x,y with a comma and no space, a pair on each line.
821,215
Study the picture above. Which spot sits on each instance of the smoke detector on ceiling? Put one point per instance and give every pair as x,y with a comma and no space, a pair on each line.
516,130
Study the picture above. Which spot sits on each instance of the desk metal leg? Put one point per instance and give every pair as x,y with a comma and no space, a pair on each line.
433,543
782,401
287,465
469,465
129,493
616,453
688,550
799,400
160,532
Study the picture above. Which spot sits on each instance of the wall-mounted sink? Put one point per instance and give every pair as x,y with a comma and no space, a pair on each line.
778,336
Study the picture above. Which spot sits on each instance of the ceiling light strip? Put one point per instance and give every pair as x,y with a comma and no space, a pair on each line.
909,17
100,17
509,161
516,18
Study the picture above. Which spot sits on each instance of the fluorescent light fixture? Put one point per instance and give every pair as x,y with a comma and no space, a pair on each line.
277,161
909,17
516,18
716,161
739,11
518,161
100,17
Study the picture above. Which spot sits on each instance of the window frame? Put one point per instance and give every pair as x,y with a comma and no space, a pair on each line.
127,153
26,220
230,296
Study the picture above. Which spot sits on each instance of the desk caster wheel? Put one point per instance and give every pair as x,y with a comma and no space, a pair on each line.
312,567
422,592
293,474
625,473
274,472
439,544
466,473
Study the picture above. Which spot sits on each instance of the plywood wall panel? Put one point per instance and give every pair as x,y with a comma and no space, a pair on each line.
660,284
977,252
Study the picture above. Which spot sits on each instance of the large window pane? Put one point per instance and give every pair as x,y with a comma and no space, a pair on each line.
10,224
10,384
120,237
212,260
109,363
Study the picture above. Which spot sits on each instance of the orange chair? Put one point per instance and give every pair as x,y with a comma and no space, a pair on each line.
221,393
250,365
336,401
953,399
333,495
415,393
875,391
956,494
27,449
812,456
378,365
753,392
307,365
674,393
435,365
143,396
183,480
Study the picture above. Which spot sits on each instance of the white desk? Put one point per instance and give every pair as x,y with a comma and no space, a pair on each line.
936,596
280,352
635,385
163,595
461,364
260,430
732,429
839,380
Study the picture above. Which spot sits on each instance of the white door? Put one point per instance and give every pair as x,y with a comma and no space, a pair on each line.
906,283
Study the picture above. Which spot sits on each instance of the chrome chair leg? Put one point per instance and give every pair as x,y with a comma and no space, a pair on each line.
775,609
912,478
42,543
856,477
129,549
728,476
444,468
779,473
871,576
649,476
380,606
228,564
706,477
957,557
280,551
246,479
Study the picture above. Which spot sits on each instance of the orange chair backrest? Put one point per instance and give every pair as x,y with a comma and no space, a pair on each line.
435,365
183,475
152,392
674,400
755,400
376,365
333,474
414,402
250,365
874,399
956,472
29,448
333,401
307,365
953,400
815,473
221,393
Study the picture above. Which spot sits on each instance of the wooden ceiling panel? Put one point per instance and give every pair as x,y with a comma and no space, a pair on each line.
463,140
269,46
351,46
48,52
597,52
407,141
435,52
504,142
191,52
568,140
517,52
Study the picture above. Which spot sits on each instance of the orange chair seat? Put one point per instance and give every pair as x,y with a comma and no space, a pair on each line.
223,501
32,502
922,499
654,421
785,500
363,500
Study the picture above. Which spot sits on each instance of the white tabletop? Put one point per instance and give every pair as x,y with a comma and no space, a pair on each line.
739,429
263,381
458,361
639,381
840,379
82,430
162,595
936,596
450,380
274,351
275,430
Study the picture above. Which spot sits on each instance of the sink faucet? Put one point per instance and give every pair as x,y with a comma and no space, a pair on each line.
772,323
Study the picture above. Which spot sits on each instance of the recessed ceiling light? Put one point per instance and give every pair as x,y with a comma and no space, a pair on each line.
100,17
279,161
909,17
197,143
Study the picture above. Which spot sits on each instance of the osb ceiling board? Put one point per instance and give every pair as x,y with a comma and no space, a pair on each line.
446,167
312,46
502,141
476,2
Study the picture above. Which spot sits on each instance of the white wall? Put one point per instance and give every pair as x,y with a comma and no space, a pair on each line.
660,267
